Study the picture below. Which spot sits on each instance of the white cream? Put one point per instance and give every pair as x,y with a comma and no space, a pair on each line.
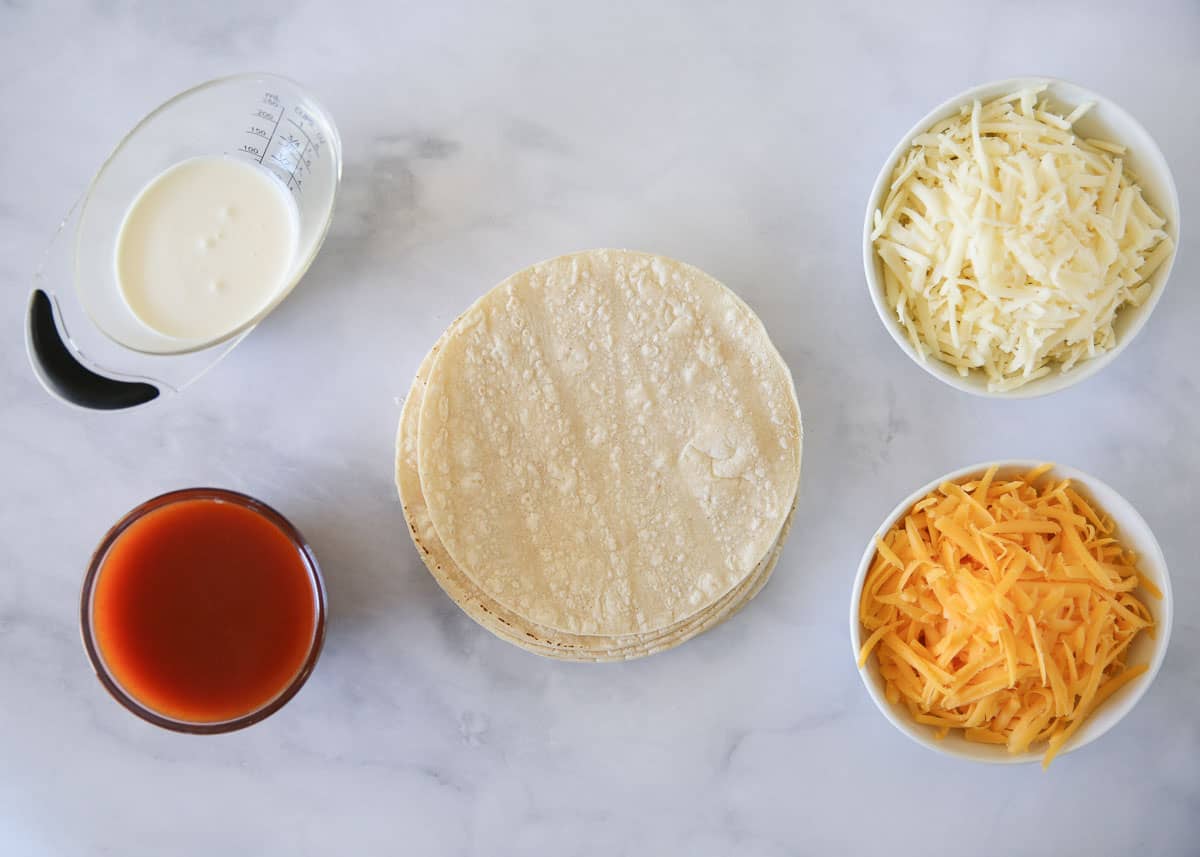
205,247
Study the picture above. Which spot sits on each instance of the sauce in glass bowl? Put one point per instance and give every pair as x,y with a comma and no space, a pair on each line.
203,611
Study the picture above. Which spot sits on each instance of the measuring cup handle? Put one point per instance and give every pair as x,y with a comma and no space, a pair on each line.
63,375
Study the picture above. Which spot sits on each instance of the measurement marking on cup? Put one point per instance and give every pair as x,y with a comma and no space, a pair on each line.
300,160
308,144
314,144
289,157
272,100
300,128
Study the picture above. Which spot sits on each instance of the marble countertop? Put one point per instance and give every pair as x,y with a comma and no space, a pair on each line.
480,139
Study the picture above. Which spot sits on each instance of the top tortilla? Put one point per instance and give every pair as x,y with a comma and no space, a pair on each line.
504,623
609,443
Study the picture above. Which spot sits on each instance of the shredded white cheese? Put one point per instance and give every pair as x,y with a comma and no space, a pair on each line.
1009,244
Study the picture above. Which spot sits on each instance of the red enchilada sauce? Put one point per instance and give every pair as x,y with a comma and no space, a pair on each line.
204,611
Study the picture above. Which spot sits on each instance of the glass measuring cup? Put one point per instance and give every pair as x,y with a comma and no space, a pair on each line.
84,342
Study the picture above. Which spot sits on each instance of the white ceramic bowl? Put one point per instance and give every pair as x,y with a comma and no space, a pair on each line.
1106,120
1132,530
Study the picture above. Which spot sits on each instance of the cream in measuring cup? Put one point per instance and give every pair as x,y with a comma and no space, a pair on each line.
206,246
202,220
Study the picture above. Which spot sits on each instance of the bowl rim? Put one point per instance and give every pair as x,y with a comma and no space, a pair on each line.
1152,558
1151,154
130,702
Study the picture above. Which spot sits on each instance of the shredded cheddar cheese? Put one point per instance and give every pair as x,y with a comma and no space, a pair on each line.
1003,610
1009,244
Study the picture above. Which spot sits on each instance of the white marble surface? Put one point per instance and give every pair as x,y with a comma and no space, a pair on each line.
480,139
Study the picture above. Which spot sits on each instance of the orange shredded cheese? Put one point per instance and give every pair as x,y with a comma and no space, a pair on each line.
1004,610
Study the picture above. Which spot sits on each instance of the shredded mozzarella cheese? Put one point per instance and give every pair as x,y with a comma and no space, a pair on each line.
1009,244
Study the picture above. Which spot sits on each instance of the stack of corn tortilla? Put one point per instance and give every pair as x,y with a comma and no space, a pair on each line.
600,458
